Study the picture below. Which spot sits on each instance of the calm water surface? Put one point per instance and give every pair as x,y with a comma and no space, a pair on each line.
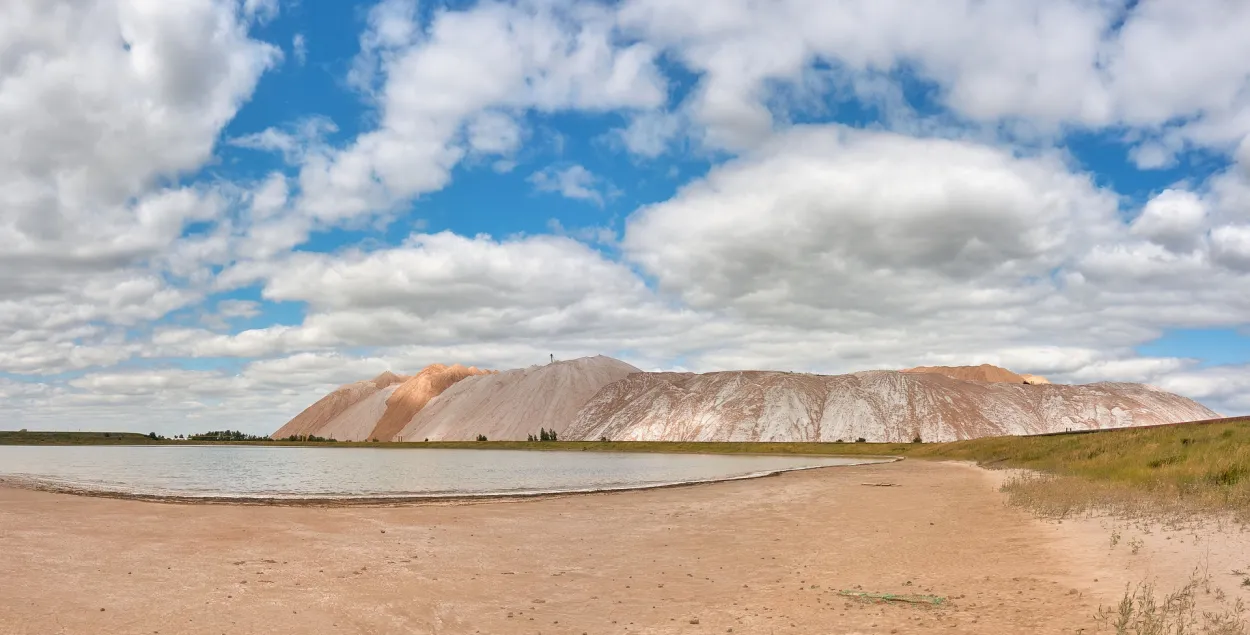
303,472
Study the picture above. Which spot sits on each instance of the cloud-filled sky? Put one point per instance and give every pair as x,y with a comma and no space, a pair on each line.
214,211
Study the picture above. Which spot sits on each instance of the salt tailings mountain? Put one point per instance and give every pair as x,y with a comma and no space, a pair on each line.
453,403
878,405
516,403
984,372
374,409
318,416
600,397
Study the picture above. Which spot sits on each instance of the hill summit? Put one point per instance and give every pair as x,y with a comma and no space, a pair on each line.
984,372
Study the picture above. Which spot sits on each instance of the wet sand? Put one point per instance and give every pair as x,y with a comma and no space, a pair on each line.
760,556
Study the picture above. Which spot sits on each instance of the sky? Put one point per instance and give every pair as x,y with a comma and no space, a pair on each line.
212,212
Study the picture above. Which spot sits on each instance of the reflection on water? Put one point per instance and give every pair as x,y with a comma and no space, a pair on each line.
343,472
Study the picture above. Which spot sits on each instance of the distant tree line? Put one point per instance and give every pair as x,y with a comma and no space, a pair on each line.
226,435
307,438
543,435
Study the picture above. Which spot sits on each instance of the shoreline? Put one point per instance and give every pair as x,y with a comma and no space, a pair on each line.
759,555
40,484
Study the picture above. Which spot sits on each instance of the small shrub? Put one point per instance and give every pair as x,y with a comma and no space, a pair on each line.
1141,612
861,440
1229,476
1160,462
917,439
481,437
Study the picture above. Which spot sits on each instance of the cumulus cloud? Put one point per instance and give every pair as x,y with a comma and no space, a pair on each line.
103,104
528,56
1174,219
574,181
299,48
293,142
440,289
649,134
1159,65
1230,246
833,219
1226,386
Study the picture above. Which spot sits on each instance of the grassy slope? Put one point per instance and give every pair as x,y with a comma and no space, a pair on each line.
74,438
1164,471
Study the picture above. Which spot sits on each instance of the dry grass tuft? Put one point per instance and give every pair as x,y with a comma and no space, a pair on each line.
1142,612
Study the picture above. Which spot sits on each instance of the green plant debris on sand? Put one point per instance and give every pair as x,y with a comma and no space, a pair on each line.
894,597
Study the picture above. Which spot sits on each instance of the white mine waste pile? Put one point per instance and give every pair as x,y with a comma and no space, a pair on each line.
878,406
600,397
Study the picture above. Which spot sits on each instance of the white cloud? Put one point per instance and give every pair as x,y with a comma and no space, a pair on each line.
1163,65
574,181
261,10
238,308
293,143
102,105
650,133
829,221
1174,219
1228,387
525,56
1230,246
494,133
299,48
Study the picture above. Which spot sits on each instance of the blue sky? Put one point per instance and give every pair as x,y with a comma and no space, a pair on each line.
286,196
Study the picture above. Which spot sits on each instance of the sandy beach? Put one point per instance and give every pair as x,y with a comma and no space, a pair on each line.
761,556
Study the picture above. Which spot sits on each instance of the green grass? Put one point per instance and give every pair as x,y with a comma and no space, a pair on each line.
22,437
1172,471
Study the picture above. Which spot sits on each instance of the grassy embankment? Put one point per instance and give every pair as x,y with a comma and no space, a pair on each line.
22,437
1168,472
1136,471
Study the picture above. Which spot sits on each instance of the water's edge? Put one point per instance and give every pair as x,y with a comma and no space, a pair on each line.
50,485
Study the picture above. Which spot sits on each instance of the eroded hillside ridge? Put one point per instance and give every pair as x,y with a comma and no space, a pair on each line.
413,395
984,372
878,406
513,404
316,417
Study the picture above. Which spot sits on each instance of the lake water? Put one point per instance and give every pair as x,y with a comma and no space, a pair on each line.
304,472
